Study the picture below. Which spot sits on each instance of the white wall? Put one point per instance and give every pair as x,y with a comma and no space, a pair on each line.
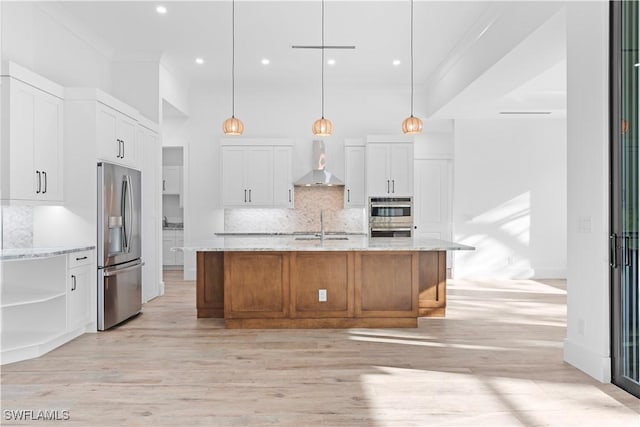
510,198
137,83
587,345
41,40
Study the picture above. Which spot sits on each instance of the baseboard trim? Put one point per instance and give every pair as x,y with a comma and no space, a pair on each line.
587,361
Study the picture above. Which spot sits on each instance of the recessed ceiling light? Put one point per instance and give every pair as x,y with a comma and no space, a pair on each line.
396,62
265,61
199,61
161,10
331,61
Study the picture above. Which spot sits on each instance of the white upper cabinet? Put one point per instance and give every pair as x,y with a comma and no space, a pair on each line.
258,168
390,169
32,138
283,177
117,141
256,175
247,176
354,176
100,119
171,179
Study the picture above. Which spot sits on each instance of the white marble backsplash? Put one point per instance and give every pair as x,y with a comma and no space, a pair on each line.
305,217
17,227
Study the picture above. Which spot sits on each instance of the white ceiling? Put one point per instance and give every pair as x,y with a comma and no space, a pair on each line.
380,31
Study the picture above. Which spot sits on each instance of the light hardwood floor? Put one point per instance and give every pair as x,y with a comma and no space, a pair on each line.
496,360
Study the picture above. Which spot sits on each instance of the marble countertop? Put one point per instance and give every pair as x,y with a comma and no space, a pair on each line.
30,253
331,243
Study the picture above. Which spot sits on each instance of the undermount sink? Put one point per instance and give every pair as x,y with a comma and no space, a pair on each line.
318,238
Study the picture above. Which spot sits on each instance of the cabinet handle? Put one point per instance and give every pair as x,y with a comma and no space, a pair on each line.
348,196
39,182
74,285
45,182
289,195
122,141
249,195
393,185
118,141
81,258
245,195
164,186
388,187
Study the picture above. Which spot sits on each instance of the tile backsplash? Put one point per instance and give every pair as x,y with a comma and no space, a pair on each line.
17,227
305,217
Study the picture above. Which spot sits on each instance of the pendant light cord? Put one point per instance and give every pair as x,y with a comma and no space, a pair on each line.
233,58
322,49
411,58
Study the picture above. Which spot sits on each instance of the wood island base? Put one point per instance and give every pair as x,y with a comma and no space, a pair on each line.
281,289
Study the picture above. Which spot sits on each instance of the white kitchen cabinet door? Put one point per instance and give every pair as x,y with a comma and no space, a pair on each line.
168,240
79,282
117,142
48,145
401,169
109,145
354,177
178,243
233,189
171,179
390,169
126,130
378,181
259,176
282,177
32,127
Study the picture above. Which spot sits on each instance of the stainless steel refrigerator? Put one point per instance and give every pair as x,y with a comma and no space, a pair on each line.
119,244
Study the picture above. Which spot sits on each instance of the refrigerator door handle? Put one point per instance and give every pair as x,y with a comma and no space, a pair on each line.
109,273
129,228
123,214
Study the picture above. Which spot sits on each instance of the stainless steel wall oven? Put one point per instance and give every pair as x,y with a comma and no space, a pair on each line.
390,216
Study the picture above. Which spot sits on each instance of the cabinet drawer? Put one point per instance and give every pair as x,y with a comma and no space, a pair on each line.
78,259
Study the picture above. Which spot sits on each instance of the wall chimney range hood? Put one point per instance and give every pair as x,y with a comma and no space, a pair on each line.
319,176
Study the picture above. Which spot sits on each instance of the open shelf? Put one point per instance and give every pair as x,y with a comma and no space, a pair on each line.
28,295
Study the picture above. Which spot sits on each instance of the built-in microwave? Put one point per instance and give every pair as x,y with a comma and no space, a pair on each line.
390,216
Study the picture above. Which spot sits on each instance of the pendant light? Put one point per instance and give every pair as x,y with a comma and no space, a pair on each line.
322,126
412,125
233,125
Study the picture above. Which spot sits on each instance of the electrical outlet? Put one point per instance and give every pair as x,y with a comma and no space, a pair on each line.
322,295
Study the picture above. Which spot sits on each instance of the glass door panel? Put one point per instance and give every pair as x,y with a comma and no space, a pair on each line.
625,195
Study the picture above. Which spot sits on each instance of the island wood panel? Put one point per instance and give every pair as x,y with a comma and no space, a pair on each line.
210,284
256,285
386,284
312,271
432,299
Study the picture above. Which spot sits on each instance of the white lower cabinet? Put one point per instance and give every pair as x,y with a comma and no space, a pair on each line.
80,279
172,239
39,309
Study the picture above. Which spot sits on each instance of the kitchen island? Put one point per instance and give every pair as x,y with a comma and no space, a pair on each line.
309,282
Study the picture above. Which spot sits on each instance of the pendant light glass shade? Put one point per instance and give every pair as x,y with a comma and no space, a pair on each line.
322,127
233,126
412,125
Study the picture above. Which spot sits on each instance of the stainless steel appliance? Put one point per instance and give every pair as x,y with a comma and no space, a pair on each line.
119,245
390,216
